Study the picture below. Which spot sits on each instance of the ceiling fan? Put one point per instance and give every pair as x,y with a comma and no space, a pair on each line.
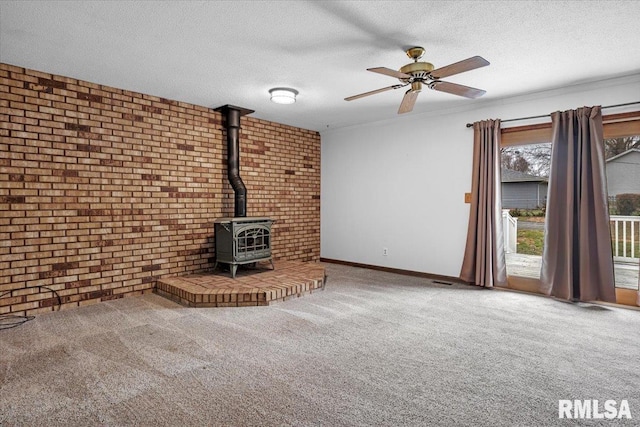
418,73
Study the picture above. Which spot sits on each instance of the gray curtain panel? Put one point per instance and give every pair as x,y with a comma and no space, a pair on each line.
577,259
484,260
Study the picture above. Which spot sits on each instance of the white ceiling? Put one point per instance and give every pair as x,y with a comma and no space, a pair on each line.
212,53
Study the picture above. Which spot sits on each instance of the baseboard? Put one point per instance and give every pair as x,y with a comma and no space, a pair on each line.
435,277
626,298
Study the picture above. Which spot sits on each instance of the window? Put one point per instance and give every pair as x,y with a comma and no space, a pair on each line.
623,184
525,175
525,149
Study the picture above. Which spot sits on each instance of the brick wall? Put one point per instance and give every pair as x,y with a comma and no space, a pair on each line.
104,190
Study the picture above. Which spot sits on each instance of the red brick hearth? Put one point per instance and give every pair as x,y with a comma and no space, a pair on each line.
250,287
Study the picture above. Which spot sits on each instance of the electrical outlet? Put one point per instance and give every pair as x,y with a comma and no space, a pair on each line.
385,251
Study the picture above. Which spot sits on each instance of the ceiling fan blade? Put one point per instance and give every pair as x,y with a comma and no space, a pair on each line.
389,72
408,101
456,89
459,67
373,92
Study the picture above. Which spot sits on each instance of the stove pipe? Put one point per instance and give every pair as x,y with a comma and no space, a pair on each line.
232,122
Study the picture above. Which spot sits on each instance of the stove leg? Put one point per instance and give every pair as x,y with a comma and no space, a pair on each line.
273,267
234,267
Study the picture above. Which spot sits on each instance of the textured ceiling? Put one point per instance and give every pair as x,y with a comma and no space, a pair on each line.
212,53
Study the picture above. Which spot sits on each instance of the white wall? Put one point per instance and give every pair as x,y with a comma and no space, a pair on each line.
400,184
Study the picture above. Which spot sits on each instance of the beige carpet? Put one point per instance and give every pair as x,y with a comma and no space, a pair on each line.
371,349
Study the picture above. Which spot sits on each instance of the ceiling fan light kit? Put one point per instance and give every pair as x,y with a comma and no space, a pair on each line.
418,73
283,95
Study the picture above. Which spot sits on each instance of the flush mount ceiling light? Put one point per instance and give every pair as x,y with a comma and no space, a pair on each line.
283,95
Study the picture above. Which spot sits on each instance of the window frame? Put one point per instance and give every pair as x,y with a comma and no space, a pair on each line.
614,126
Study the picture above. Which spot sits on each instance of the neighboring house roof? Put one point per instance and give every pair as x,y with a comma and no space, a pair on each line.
617,156
509,175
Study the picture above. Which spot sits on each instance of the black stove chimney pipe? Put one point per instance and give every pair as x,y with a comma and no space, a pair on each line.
232,122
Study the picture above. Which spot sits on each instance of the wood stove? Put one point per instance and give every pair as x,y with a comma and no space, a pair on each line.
245,240
240,239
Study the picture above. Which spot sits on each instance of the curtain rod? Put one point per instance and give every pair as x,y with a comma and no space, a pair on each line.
469,125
